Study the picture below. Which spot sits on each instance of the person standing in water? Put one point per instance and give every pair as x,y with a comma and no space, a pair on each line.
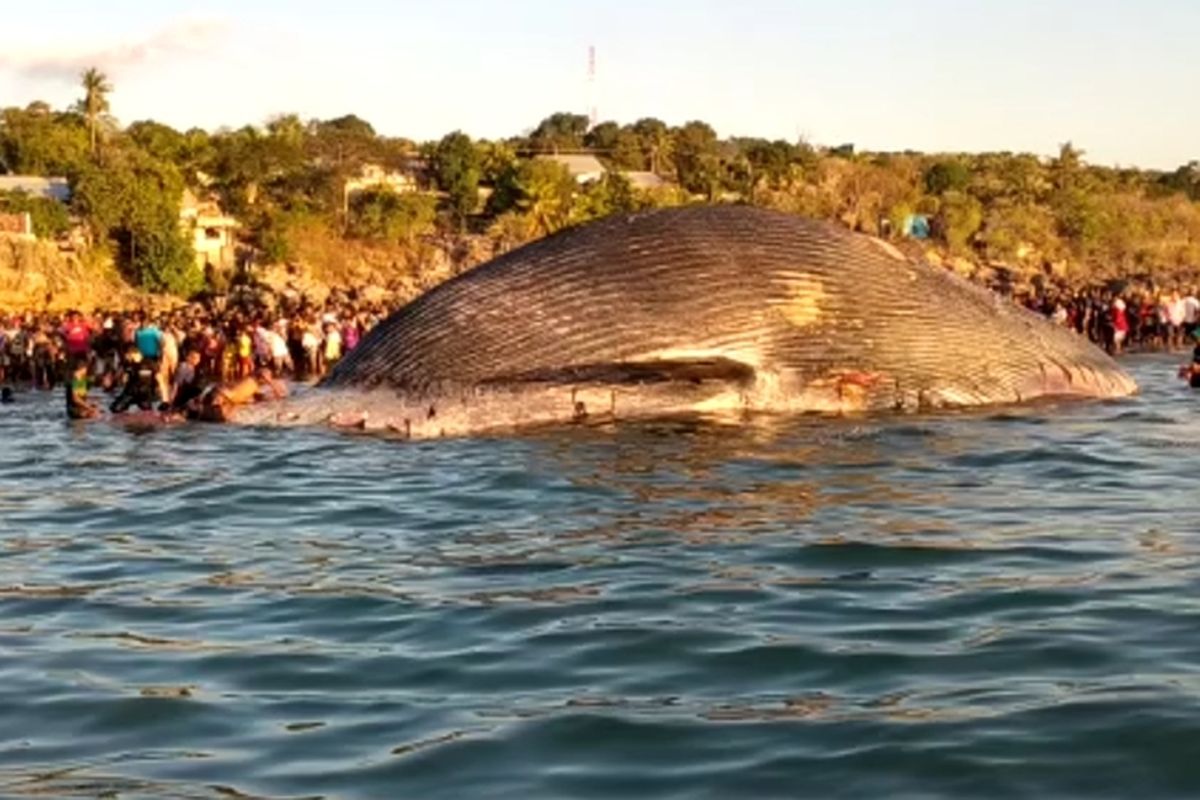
1191,372
78,405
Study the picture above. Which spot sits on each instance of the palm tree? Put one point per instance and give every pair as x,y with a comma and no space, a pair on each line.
95,100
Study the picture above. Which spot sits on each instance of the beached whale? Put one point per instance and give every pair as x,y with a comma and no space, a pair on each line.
724,310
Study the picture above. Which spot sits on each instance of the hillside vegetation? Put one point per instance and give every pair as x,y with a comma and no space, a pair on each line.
285,181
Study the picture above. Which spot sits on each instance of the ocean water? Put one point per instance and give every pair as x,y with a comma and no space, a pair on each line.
993,604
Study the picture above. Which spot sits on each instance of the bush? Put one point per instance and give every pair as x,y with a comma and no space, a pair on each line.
959,218
383,215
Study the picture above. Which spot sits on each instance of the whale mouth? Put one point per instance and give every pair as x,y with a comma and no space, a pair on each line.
626,373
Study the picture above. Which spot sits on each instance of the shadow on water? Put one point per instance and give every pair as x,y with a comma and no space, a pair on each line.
999,603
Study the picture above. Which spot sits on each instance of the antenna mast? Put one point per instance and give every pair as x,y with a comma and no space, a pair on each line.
591,75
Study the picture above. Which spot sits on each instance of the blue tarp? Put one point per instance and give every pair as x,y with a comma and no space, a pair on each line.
916,226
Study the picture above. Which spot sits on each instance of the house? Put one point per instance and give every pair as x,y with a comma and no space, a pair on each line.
584,167
16,226
211,232
19,225
373,176
34,186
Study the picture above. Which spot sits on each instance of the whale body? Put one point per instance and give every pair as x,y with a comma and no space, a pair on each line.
724,310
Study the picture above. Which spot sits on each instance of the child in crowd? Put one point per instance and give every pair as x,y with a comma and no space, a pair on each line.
78,405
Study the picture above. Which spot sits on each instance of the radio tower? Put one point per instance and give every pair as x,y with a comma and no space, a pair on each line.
592,116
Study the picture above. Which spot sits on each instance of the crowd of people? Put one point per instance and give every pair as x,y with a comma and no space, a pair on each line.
203,361
1117,320
198,362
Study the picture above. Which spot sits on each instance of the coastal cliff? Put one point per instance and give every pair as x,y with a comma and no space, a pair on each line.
38,275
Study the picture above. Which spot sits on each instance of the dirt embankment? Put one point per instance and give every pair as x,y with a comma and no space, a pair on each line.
393,274
38,276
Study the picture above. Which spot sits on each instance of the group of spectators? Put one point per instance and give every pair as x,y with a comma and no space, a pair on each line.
197,362
201,361
1119,319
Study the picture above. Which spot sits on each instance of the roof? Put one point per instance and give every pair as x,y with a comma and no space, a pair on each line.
580,165
644,180
54,188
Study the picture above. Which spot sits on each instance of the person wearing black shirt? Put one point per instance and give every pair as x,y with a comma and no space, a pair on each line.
141,385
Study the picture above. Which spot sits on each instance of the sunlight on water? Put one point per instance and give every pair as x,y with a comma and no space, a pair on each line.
1000,603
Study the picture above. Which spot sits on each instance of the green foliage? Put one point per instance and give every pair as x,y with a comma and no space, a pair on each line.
496,160
385,216
158,258
697,164
49,216
94,104
458,169
271,235
1011,229
619,147
959,219
540,190
1184,180
612,194
158,141
342,145
559,131
603,137
134,203
1066,170
36,141
655,140
1018,179
947,176
286,182
770,162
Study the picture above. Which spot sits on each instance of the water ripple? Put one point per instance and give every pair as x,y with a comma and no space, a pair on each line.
992,604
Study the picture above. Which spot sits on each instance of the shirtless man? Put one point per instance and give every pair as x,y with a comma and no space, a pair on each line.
218,403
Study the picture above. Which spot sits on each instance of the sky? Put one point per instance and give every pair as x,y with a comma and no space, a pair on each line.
1118,78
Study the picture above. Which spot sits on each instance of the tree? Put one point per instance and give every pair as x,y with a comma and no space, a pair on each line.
95,100
288,128
655,139
1067,167
559,131
457,169
1080,217
1010,228
696,160
496,160
959,219
36,141
619,146
603,136
540,190
160,141
1185,180
769,162
133,202
343,144
947,176
385,216
612,194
